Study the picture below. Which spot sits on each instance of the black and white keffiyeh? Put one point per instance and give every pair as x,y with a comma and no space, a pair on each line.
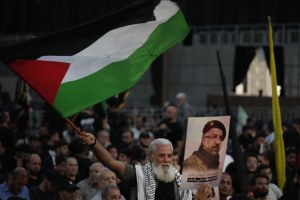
146,184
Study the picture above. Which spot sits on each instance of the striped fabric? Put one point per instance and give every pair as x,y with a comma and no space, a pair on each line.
147,185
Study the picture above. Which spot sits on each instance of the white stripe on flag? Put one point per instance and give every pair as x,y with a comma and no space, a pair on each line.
114,46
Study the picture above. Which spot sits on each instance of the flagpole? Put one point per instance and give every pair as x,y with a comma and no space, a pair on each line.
238,159
164,79
223,80
74,127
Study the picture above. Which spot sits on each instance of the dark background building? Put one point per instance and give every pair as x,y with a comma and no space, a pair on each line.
40,16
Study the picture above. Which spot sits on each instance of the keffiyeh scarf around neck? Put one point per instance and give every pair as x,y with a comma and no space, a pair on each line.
146,184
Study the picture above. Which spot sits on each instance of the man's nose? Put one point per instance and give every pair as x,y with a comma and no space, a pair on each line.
167,159
218,141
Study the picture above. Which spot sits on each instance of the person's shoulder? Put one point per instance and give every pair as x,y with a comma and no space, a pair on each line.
275,188
290,131
25,189
162,121
83,182
97,196
34,189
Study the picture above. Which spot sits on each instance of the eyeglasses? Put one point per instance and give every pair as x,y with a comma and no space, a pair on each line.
214,138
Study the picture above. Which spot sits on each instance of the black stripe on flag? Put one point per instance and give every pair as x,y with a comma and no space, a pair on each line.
75,39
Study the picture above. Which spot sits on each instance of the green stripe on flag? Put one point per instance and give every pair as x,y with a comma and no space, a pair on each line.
117,77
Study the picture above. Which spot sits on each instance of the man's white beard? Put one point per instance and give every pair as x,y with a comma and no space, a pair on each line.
164,174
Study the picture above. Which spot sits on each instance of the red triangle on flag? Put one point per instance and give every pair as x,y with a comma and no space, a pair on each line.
44,77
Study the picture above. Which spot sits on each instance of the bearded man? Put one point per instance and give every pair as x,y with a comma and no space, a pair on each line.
261,183
157,179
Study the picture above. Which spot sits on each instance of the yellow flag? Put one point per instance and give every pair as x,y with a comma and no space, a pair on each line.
279,145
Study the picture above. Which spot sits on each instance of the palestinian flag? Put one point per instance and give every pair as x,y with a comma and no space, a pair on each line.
84,65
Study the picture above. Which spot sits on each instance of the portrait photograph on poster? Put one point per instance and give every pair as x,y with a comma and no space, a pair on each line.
205,149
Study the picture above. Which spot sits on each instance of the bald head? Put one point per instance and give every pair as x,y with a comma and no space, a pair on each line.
171,112
19,171
18,178
34,157
34,164
71,167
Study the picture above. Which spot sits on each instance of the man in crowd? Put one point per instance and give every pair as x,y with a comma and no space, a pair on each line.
261,183
72,170
66,190
185,110
274,191
158,179
170,128
103,137
34,168
111,192
294,191
105,177
145,138
8,140
225,187
15,185
88,186
46,190
291,136
291,167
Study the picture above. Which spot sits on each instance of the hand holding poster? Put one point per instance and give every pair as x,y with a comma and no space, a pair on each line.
206,145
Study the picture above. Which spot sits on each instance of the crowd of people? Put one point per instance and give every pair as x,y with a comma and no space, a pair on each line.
136,156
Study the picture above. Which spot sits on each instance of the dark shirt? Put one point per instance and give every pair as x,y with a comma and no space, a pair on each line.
174,133
47,164
165,191
36,193
8,139
137,153
83,167
292,138
246,141
34,182
125,189
117,122
292,193
77,180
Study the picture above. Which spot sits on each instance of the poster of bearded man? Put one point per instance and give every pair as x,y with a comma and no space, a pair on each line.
205,150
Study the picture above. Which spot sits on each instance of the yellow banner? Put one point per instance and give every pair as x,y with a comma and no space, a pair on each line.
279,145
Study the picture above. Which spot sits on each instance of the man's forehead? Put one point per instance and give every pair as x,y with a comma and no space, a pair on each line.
261,180
226,177
108,174
114,192
215,131
266,170
163,148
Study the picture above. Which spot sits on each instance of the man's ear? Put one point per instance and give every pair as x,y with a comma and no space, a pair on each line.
150,157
